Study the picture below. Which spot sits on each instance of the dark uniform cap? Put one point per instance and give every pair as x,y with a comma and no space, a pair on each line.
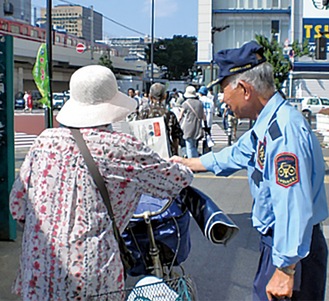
238,60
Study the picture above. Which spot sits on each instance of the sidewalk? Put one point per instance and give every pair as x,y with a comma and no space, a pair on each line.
9,259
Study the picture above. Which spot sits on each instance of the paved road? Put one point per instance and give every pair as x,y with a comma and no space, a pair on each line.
219,272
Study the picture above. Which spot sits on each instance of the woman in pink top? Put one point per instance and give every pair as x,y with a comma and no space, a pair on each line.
68,250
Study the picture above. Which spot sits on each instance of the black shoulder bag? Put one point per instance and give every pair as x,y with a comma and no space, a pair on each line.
126,256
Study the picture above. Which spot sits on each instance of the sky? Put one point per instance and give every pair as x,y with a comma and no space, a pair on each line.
172,17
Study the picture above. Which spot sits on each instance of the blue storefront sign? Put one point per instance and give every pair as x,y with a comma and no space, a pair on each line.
314,28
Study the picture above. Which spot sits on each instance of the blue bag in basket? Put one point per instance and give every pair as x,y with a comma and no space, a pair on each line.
171,232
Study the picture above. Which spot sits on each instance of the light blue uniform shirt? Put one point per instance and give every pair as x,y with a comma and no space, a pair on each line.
286,177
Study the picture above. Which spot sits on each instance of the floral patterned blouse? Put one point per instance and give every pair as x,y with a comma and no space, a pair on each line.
68,250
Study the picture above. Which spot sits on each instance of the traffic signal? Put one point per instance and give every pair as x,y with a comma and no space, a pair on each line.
321,48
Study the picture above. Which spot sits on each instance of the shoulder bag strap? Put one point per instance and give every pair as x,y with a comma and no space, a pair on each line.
97,177
193,110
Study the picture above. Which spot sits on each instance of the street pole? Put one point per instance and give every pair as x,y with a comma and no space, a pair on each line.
213,31
212,57
152,42
92,32
49,42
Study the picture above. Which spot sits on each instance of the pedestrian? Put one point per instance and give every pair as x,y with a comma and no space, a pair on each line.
157,109
286,177
232,122
28,101
69,251
208,108
191,117
145,101
224,116
134,115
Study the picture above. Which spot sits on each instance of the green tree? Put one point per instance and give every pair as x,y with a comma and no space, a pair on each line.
105,60
300,50
177,54
273,52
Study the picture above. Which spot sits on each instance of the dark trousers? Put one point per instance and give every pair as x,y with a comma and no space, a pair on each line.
311,272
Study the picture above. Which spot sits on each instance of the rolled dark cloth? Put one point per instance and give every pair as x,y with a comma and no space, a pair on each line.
212,221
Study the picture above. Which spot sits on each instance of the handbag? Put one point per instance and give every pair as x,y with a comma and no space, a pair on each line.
127,259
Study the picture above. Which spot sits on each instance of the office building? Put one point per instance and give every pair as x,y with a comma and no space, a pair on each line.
237,21
132,48
78,20
231,23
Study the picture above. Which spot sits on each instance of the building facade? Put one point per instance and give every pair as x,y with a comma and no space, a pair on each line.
132,48
238,21
78,20
231,23
22,9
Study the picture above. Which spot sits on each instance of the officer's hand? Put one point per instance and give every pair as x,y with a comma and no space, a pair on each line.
193,163
280,286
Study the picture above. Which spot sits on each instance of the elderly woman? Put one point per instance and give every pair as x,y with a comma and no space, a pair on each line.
190,118
69,251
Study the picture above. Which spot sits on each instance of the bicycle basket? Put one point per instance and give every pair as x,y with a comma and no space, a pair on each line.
151,288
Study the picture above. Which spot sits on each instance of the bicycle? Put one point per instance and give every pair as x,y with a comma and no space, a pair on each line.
158,236
161,281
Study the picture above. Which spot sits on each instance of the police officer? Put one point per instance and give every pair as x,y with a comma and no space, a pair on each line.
286,177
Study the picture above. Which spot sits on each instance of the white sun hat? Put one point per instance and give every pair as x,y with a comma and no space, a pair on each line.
190,92
95,99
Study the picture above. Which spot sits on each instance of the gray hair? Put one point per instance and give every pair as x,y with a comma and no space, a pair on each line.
158,91
260,77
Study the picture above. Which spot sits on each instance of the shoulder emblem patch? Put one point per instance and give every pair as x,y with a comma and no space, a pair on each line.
261,153
286,169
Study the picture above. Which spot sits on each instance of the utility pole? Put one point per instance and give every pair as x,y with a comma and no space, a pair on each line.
92,32
49,42
292,21
213,31
152,42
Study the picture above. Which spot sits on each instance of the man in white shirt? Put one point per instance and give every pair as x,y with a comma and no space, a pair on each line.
208,107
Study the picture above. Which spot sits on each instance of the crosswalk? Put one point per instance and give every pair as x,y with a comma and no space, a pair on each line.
218,135
23,140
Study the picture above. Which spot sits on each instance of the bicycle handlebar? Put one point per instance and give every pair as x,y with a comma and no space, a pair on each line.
148,213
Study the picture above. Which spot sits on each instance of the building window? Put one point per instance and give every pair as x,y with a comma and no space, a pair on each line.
24,30
14,29
275,26
275,29
34,33
275,3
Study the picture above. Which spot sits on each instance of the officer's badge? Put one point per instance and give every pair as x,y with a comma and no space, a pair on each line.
261,153
286,169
